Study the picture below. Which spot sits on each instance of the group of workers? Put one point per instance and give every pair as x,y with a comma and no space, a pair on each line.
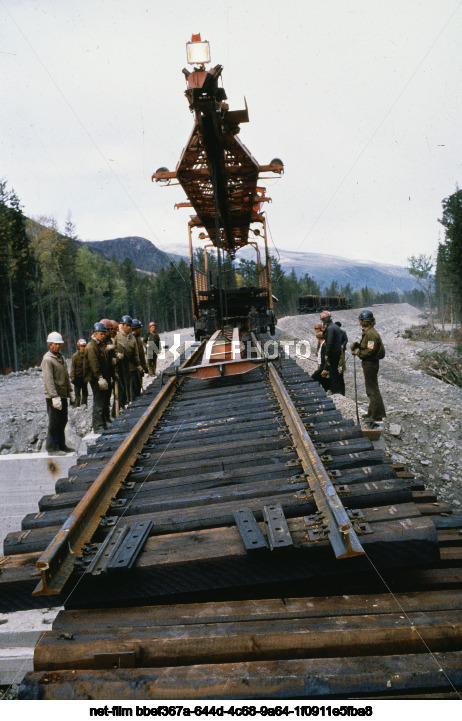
332,344
115,359
113,362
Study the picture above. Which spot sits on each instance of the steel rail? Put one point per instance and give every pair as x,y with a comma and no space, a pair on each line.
57,561
342,535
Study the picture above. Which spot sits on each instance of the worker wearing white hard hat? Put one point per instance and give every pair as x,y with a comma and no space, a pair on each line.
58,391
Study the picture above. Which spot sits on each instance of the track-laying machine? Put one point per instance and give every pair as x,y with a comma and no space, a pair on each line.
222,181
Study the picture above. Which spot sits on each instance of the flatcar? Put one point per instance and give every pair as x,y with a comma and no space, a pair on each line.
318,303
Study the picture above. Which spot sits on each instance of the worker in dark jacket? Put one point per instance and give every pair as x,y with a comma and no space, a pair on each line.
127,356
58,390
152,342
111,344
343,334
137,377
80,386
371,350
98,374
333,338
112,329
321,374
342,362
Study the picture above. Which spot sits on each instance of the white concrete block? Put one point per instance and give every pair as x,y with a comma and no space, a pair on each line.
19,632
14,664
24,479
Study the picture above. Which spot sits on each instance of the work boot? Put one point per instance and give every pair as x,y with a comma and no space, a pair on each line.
66,449
368,422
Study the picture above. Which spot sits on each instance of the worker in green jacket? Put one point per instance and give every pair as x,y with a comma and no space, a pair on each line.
370,350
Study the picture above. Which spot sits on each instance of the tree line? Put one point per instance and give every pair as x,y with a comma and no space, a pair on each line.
51,281
448,274
440,278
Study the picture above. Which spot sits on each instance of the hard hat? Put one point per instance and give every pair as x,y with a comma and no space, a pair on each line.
106,322
325,314
55,338
81,341
127,319
114,325
152,322
366,315
136,324
99,327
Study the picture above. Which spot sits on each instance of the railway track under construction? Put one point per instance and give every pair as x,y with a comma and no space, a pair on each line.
235,538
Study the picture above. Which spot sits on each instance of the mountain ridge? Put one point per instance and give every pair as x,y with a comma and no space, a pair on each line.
323,268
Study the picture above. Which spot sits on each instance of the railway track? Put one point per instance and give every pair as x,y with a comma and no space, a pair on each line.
236,538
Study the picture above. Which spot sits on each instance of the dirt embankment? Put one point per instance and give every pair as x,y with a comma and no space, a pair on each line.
422,429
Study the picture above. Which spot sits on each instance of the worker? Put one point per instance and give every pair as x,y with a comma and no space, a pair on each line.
98,374
333,340
109,341
321,374
58,391
152,343
370,350
128,356
343,334
80,387
136,378
342,361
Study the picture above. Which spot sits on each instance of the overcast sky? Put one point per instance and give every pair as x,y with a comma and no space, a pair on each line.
362,100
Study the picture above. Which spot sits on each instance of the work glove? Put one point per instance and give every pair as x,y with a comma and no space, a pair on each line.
102,383
354,346
57,403
119,356
72,397
139,369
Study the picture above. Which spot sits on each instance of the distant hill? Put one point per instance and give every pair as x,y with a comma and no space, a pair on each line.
383,278
324,269
143,254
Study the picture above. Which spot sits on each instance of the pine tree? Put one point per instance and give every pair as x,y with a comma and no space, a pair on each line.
452,221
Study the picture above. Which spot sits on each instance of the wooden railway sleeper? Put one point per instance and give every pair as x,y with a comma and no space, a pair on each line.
342,535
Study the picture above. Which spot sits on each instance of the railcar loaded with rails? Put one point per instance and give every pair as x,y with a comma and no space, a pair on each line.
318,303
231,536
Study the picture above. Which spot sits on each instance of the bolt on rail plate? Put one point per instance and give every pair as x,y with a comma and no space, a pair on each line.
121,548
278,530
250,531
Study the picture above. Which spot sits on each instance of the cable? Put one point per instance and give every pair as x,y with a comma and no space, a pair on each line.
412,625
71,108
369,141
